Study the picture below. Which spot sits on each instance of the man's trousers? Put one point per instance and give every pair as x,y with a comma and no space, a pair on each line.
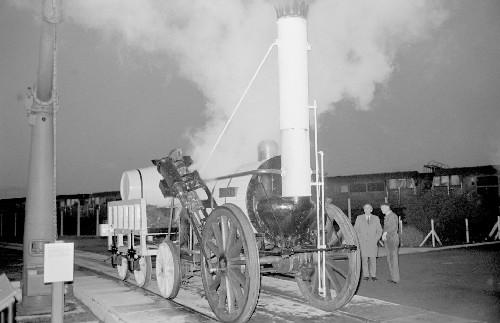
392,246
369,266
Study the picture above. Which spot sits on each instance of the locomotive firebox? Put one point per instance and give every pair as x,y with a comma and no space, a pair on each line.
284,221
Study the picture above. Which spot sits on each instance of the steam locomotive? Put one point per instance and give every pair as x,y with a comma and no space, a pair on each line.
259,219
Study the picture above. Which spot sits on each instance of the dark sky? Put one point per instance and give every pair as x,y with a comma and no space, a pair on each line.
442,102
126,99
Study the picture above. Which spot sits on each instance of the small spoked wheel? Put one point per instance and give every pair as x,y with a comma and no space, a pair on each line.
231,272
341,269
143,274
168,269
122,267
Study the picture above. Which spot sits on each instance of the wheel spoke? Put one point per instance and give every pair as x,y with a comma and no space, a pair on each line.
213,247
222,294
224,231
231,237
235,249
338,257
327,285
236,276
231,301
314,282
331,278
237,295
217,235
336,269
215,283
236,262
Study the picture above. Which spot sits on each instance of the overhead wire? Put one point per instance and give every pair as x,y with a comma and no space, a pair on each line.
237,106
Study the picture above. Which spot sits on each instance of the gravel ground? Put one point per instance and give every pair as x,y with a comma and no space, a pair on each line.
462,282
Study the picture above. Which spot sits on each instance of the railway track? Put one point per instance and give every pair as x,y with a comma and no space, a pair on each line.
279,299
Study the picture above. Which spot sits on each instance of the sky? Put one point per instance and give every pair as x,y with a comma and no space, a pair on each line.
398,84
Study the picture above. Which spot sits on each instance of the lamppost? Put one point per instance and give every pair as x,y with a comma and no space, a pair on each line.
39,226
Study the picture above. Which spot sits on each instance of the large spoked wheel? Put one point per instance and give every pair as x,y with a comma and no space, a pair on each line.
231,274
122,267
143,274
168,269
342,268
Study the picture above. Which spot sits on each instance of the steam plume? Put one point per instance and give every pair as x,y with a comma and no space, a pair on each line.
217,44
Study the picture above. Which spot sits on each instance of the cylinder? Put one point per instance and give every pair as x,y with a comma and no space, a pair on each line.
144,183
294,98
267,149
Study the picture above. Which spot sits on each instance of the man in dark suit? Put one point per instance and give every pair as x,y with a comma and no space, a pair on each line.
391,239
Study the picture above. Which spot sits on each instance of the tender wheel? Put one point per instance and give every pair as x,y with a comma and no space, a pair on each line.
168,269
122,267
342,269
231,274
143,275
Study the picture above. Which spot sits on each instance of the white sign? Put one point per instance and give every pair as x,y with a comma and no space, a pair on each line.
58,262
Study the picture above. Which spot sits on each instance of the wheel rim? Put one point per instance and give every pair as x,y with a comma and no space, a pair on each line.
168,270
143,275
231,274
122,268
342,270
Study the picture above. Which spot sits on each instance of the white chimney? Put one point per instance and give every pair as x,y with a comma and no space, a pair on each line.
294,97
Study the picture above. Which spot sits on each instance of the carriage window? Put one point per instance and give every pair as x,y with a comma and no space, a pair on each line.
455,180
376,187
357,187
342,188
395,184
441,180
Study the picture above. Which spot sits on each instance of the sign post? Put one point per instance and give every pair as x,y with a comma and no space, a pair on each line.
58,268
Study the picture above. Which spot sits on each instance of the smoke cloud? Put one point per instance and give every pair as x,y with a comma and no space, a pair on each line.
218,44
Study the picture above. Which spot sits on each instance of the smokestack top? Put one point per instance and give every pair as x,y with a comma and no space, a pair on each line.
291,8
52,11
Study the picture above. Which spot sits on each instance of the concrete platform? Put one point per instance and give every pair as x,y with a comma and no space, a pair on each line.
112,301
115,301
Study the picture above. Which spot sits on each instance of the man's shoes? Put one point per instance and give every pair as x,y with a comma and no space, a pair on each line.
374,278
366,278
392,281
